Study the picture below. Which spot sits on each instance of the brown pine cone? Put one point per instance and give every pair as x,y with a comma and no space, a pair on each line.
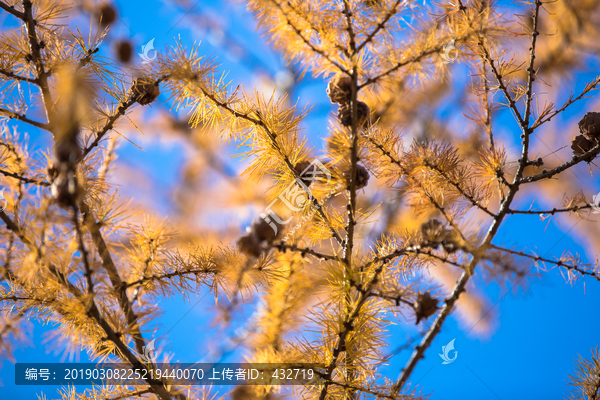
345,113
433,231
589,126
107,14
144,91
65,188
124,51
581,145
264,231
451,241
339,89
306,175
362,177
425,306
249,244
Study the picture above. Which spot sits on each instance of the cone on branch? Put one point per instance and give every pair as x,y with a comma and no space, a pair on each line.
425,306
581,145
264,231
339,89
249,245
433,231
144,91
434,234
260,232
362,114
362,177
589,126
305,175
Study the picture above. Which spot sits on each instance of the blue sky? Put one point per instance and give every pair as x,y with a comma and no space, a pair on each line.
539,332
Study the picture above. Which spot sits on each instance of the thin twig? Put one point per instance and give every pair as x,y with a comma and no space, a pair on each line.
22,117
16,77
574,161
314,48
303,250
35,49
551,212
558,263
24,179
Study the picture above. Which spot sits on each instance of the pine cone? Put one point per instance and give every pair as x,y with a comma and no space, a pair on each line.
144,91
124,51
106,14
362,177
305,175
339,89
345,113
433,231
425,306
264,231
65,188
249,244
589,126
451,241
581,145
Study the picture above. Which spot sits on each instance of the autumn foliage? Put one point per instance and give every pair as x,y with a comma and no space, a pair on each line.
345,236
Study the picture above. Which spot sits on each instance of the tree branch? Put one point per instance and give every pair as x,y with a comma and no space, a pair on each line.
364,290
318,51
12,10
380,25
14,76
24,179
559,263
553,211
22,117
34,47
260,123
303,250
110,267
92,310
575,160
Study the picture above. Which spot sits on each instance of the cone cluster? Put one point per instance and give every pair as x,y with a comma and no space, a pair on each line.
589,126
339,91
434,234
259,233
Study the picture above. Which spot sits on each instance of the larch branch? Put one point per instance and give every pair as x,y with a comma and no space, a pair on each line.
24,179
34,47
22,117
314,48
